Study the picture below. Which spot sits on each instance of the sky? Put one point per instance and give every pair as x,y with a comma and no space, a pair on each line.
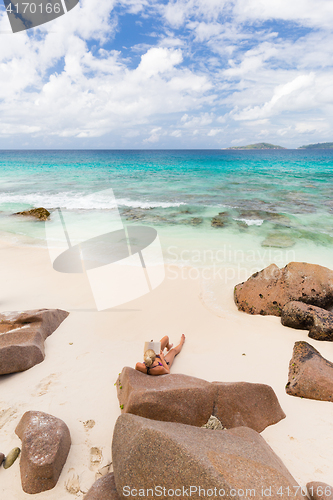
180,74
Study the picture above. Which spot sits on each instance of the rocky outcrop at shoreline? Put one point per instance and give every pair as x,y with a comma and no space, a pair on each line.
174,456
190,400
318,321
45,445
22,336
38,213
268,291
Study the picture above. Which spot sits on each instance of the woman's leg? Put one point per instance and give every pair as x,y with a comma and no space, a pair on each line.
165,343
170,356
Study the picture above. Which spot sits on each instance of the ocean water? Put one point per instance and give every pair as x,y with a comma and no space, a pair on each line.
199,200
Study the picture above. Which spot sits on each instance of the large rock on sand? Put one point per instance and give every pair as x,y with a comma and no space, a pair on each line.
267,291
148,454
22,336
190,400
318,321
319,491
45,445
103,489
244,404
171,397
310,375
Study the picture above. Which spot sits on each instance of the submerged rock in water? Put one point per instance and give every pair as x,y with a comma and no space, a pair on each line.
264,215
231,462
318,321
136,213
310,375
221,220
39,213
23,335
45,445
193,221
267,291
278,241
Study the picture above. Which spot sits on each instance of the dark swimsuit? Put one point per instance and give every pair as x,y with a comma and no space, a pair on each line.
159,364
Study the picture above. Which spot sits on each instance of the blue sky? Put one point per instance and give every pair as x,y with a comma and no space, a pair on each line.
170,74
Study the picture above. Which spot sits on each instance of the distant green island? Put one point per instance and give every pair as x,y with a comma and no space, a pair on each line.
320,145
259,145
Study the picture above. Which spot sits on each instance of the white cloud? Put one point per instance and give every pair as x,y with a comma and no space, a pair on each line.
66,81
307,12
214,131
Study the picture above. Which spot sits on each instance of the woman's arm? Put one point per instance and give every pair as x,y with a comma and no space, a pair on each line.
141,367
164,363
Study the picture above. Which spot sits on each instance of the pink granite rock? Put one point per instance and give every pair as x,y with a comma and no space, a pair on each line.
172,397
244,404
23,335
103,489
310,375
317,320
267,291
152,455
319,491
189,400
45,445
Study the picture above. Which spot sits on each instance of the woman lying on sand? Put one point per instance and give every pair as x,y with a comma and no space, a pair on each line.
163,364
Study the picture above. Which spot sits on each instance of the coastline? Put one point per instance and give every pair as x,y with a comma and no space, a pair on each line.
86,353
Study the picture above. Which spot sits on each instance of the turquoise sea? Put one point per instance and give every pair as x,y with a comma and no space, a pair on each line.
271,200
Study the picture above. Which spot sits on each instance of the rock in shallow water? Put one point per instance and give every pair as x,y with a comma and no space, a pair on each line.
38,213
221,220
278,241
231,461
267,291
45,445
318,321
310,375
23,335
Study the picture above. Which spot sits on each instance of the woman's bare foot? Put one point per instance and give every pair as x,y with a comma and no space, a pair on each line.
169,347
182,339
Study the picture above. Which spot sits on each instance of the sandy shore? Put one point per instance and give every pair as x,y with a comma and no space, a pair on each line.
90,348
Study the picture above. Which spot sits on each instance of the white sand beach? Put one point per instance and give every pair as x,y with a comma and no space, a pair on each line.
84,355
